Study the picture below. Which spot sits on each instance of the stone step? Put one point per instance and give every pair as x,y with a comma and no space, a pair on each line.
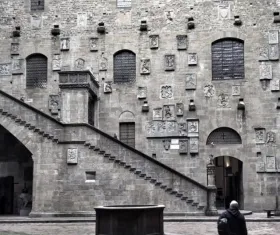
148,178
189,200
122,163
152,180
117,161
132,169
127,166
163,186
142,175
158,183
137,172
195,204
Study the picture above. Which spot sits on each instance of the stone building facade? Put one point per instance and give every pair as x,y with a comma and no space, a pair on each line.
177,80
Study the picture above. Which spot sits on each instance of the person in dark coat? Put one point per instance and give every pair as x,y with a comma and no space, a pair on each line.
234,221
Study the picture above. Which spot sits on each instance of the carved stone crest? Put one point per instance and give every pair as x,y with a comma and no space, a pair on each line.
190,81
82,19
157,114
183,146
14,48
270,138
192,127
154,41
194,145
103,62
5,69
54,104
260,135
273,37
169,112
180,109
275,85
192,59
182,43
270,163
108,87
224,11
145,66
235,90
209,90
182,128
36,22
166,144
18,66
223,101
263,56
273,52
169,62
166,92
80,64
93,44
260,167
56,63
142,92
72,156
265,71
65,44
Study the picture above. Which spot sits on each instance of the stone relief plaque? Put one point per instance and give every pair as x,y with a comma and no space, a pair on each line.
175,144
260,167
192,59
145,66
154,41
270,138
80,64
182,127
193,145
56,63
192,127
223,101
190,81
157,114
142,92
18,66
236,90
5,69
166,92
273,52
183,146
265,71
224,11
169,112
263,56
162,128
72,156
270,163
275,85
169,62
273,37
209,91
180,109
36,22
14,48
103,64
54,104
82,19
260,136
108,87
166,144
65,44
182,43
93,44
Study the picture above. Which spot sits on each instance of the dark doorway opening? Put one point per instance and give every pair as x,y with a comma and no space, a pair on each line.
228,180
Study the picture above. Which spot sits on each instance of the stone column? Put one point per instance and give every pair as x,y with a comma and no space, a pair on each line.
211,195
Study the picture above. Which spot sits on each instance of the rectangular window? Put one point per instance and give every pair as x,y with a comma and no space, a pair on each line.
123,3
127,133
37,5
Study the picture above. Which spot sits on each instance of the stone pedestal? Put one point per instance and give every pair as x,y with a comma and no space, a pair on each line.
211,195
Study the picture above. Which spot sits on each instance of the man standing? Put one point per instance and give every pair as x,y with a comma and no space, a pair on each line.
232,222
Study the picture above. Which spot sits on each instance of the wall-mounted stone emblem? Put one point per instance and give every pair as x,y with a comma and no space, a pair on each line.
182,42
192,127
162,129
263,56
157,114
260,167
108,87
273,37
65,44
5,69
183,146
194,145
142,92
145,66
82,19
260,135
183,130
166,144
209,91
273,52
18,66
236,90
154,41
270,138
223,101
224,11
169,112
265,71
275,85
80,64
180,109
54,104
72,156
166,92
36,22
169,62
270,164
14,48
192,59
93,44
56,63
103,62
190,81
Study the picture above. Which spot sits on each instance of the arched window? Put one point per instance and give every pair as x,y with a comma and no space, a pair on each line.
36,71
37,5
124,67
224,135
123,3
228,59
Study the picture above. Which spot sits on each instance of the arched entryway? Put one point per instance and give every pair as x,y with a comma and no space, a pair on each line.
16,176
228,180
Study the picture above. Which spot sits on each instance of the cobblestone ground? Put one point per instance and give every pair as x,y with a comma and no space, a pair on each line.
188,228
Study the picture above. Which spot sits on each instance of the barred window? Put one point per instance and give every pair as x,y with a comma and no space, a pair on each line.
224,135
127,133
124,67
36,71
228,59
123,3
37,5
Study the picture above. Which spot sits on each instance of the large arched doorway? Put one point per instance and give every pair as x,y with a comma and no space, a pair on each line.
16,175
228,180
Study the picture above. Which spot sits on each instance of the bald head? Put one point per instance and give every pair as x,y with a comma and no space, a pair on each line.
233,205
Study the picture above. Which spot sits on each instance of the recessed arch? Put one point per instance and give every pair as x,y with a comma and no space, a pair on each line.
127,116
224,135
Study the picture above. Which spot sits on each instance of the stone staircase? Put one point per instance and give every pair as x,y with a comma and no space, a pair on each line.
178,189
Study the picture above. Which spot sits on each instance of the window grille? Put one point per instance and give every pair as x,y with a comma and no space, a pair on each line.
36,71
224,136
124,67
127,133
123,3
37,5
228,59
